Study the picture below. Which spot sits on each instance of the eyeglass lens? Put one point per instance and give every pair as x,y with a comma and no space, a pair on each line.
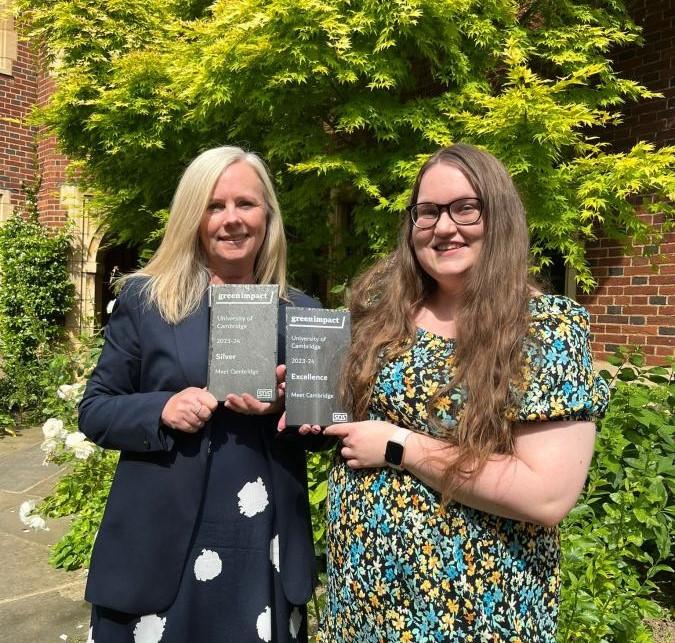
462,212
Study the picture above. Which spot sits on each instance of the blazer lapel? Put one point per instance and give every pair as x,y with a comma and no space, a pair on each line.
192,345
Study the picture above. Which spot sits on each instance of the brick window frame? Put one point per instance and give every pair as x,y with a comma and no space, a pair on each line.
8,39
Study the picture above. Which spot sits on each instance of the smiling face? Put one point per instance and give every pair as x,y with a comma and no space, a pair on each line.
447,251
232,229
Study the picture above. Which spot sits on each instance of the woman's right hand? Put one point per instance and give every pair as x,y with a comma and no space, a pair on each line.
189,410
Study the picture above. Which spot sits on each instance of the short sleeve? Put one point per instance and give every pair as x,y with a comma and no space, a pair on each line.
560,383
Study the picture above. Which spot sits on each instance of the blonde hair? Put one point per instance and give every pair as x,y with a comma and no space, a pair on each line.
492,322
178,272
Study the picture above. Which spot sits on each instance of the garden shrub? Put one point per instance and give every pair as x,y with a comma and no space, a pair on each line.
618,540
35,294
318,466
83,491
64,375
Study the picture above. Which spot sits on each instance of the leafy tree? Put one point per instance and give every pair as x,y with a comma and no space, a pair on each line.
344,99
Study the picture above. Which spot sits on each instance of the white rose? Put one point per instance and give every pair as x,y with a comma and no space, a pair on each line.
34,522
83,450
49,445
77,392
63,392
25,508
78,443
53,428
74,439
70,392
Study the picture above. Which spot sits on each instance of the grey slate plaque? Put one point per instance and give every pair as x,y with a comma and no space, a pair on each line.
316,341
243,340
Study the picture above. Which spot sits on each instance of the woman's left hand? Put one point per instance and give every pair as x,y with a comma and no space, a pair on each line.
248,405
363,443
303,429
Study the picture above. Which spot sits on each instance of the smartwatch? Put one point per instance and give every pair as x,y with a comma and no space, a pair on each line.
393,454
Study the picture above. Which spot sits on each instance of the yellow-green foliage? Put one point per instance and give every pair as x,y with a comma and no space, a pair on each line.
344,98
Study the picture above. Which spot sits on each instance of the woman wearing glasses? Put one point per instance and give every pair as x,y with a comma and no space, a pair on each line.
475,399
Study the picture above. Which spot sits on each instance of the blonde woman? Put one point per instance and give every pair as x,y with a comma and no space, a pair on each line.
206,534
475,399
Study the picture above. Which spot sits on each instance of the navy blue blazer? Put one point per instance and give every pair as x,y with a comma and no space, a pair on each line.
144,538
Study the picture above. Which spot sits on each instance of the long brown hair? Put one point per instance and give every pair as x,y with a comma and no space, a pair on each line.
491,322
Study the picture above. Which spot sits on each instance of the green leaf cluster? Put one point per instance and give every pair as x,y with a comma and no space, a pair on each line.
35,294
344,99
319,464
82,493
618,540
69,364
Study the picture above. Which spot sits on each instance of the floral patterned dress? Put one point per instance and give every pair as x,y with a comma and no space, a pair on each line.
404,567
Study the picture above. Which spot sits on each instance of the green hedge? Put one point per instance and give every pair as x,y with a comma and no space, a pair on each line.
35,295
618,540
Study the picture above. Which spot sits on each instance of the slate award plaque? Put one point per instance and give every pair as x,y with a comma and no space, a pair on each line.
316,341
243,340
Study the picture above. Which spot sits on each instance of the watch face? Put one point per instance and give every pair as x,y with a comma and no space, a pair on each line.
394,453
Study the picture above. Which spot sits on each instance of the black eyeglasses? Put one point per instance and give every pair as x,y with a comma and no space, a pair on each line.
461,211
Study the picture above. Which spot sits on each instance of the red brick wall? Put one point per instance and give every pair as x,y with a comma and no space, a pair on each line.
22,150
18,93
653,66
635,304
52,165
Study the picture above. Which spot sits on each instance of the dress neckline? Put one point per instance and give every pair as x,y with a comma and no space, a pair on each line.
424,331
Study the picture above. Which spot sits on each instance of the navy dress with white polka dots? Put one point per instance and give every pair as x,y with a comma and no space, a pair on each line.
231,587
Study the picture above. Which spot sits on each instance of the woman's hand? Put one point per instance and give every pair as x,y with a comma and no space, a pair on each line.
540,482
248,405
303,429
189,410
363,443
